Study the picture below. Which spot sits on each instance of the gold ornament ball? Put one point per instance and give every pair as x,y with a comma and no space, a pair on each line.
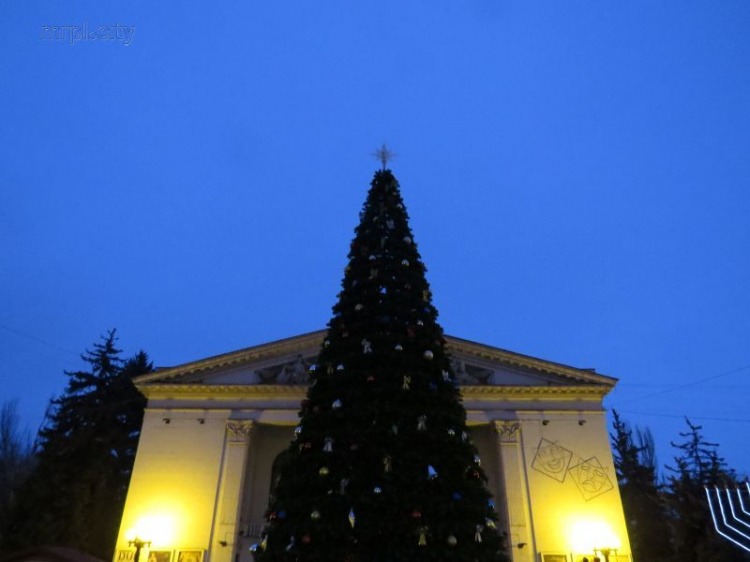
323,471
452,541
315,515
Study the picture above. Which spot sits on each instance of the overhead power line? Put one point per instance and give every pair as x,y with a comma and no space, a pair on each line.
38,340
681,386
683,416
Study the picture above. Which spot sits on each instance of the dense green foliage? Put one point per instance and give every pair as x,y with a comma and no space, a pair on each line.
382,467
77,489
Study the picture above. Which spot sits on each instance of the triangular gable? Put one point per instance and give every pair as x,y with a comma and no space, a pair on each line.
285,362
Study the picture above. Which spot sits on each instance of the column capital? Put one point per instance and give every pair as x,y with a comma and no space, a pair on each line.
238,431
508,430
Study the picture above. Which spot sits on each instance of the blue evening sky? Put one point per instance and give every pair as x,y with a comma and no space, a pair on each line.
576,174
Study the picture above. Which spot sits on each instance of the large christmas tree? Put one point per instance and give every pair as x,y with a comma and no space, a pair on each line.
382,467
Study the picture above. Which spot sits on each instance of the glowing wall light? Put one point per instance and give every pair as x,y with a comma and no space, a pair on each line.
159,530
593,536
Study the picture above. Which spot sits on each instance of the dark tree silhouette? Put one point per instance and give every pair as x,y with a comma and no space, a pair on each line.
76,492
645,512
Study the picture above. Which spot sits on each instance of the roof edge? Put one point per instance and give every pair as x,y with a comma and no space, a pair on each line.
303,342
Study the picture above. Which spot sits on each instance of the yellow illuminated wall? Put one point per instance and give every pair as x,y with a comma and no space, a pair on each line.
574,505
173,488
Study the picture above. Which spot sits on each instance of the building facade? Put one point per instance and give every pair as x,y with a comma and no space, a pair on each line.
215,430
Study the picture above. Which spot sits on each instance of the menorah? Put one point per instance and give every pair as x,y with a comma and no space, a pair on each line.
731,525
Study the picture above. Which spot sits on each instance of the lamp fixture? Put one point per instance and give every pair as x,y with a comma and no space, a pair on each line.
138,544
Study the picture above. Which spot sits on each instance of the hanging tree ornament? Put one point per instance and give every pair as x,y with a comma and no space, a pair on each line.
340,367
406,383
398,347
422,536
451,432
386,464
490,524
377,490
315,515
366,346
478,533
451,540
394,429
422,423
405,263
477,460
373,273
407,239
428,355
342,485
390,224
328,445
323,471
358,307
297,430
426,295
336,404
431,472
446,376
352,517
290,546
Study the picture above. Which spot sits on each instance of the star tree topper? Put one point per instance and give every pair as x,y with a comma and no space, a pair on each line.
384,154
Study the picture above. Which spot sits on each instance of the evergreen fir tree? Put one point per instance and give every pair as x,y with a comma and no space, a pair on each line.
645,513
382,467
87,448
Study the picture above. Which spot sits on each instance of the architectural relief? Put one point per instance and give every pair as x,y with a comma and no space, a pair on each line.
552,460
296,372
507,431
292,372
470,374
239,431
591,479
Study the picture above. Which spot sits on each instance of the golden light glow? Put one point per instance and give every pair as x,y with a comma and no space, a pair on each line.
159,529
587,535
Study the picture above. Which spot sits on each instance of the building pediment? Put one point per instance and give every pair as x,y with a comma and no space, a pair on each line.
286,363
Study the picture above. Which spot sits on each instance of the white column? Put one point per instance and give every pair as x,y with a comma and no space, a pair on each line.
515,491
226,515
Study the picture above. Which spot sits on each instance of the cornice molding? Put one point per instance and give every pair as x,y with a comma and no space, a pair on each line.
298,392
